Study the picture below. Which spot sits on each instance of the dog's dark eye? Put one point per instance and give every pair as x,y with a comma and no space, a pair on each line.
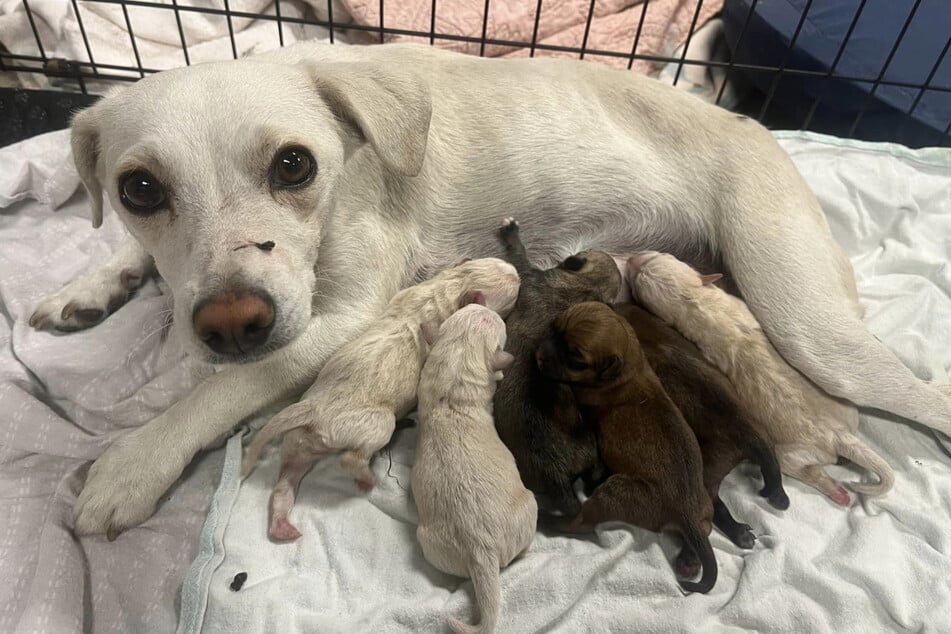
141,193
293,167
573,263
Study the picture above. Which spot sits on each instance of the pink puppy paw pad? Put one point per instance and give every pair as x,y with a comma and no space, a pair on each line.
283,531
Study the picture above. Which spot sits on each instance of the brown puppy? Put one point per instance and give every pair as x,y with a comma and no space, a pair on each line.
711,407
657,470
536,418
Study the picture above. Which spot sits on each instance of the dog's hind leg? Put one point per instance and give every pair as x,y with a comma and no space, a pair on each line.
778,247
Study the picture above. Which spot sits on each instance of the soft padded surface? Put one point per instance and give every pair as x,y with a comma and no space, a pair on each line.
768,41
880,565
63,399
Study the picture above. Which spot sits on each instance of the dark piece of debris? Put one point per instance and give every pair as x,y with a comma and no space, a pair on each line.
238,581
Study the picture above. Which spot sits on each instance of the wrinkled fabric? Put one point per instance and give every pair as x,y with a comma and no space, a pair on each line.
63,400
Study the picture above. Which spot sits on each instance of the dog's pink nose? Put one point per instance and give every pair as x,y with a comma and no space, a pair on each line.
234,322
638,260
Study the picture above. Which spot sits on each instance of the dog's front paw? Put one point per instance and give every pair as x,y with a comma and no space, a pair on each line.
124,485
85,301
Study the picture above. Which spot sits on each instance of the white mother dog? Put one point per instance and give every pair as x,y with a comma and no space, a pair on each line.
286,198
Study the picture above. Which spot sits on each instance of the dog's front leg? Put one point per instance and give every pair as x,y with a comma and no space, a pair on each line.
125,483
94,295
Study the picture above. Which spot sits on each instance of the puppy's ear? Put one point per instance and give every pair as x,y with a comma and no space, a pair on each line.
472,297
502,360
611,368
84,139
430,331
707,280
389,109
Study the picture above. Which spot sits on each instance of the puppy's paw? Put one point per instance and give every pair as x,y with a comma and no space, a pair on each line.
777,499
840,496
687,565
365,484
283,531
509,229
744,536
86,301
124,485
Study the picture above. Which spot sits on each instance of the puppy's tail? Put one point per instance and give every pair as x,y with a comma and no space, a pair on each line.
485,573
849,446
699,542
291,417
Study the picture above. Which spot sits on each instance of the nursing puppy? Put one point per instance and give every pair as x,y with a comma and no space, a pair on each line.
711,407
536,418
475,516
653,456
808,428
371,382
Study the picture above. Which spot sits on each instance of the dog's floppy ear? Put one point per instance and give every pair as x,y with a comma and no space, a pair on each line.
430,331
707,280
611,368
389,109
472,297
84,139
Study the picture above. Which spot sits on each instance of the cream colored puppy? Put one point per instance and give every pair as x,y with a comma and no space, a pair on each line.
371,382
475,516
809,428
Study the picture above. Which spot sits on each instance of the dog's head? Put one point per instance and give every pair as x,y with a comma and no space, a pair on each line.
478,333
590,344
592,274
227,175
663,283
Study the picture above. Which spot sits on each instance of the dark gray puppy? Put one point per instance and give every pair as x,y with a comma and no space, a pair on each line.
536,418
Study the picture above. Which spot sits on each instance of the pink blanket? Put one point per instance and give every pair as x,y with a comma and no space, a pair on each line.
561,23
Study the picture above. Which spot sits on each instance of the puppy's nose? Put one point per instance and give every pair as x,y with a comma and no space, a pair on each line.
234,322
638,260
